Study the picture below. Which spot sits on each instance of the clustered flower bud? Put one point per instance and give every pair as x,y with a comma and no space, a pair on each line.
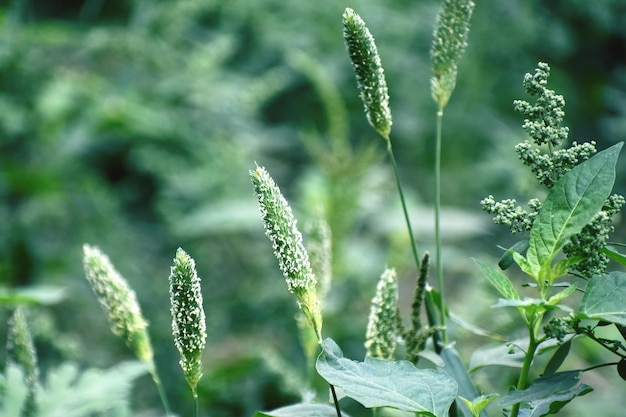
188,320
449,43
119,302
293,259
370,76
558,328
381,336
543,125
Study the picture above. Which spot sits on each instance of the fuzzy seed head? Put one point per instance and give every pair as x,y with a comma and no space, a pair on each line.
188,319
381,335
118,301
293,259
449,43
370,76
21,351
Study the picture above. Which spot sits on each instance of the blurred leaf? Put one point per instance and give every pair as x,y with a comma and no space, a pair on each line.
40,294
381,383
614,254
605,299
558,358
457,370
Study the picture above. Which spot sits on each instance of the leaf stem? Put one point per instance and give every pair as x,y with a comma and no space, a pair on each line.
332,390
438,261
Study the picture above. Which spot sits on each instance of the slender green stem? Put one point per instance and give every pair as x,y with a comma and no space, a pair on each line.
159,385
404,208
533,344
438,262
195,402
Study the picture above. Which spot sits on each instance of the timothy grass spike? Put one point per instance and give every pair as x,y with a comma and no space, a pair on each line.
293,259
118,301
370,76
449,43
188,319
382,332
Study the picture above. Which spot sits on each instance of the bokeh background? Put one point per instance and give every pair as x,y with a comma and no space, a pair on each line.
132,125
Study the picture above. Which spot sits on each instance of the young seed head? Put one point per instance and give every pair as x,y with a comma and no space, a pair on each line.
118,301
293,259
370,76
449,43
21,351
381,335
188,320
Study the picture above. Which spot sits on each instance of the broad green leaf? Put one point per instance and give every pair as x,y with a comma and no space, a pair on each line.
302,410
570,205
614,254
381,383
500,281
547,395
605,298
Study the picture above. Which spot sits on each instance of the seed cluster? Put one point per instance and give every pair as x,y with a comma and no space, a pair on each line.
118,301
293,259
188,319
382,332
370,76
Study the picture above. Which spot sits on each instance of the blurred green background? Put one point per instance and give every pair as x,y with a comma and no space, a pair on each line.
131,125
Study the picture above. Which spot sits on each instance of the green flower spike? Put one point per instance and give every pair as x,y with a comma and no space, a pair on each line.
293,259
449,43
119,302
188,320
370,77
21,351
381,335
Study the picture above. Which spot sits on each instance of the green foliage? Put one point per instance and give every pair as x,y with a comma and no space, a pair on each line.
381,383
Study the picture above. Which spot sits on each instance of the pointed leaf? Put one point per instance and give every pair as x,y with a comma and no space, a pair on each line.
507,259
558,358
381,383
500,281
614,254
570,205
605,298
302,410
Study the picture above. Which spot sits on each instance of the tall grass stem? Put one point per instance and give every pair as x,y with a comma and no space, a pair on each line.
438,260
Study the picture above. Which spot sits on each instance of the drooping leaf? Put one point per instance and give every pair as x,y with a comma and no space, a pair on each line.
570,205
548,395
456,369
382,383
605,298
558,358
36,295
500,281
507,260
302,410
502,354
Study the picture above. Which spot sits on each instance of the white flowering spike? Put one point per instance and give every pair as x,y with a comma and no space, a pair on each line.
293,259
118,301
188,320
381,335
370,76
21,351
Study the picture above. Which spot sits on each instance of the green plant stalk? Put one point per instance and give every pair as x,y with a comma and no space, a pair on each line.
195,401
160,389
414,250
533,344
438,261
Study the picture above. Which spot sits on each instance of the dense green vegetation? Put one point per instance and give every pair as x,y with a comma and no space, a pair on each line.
133,125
